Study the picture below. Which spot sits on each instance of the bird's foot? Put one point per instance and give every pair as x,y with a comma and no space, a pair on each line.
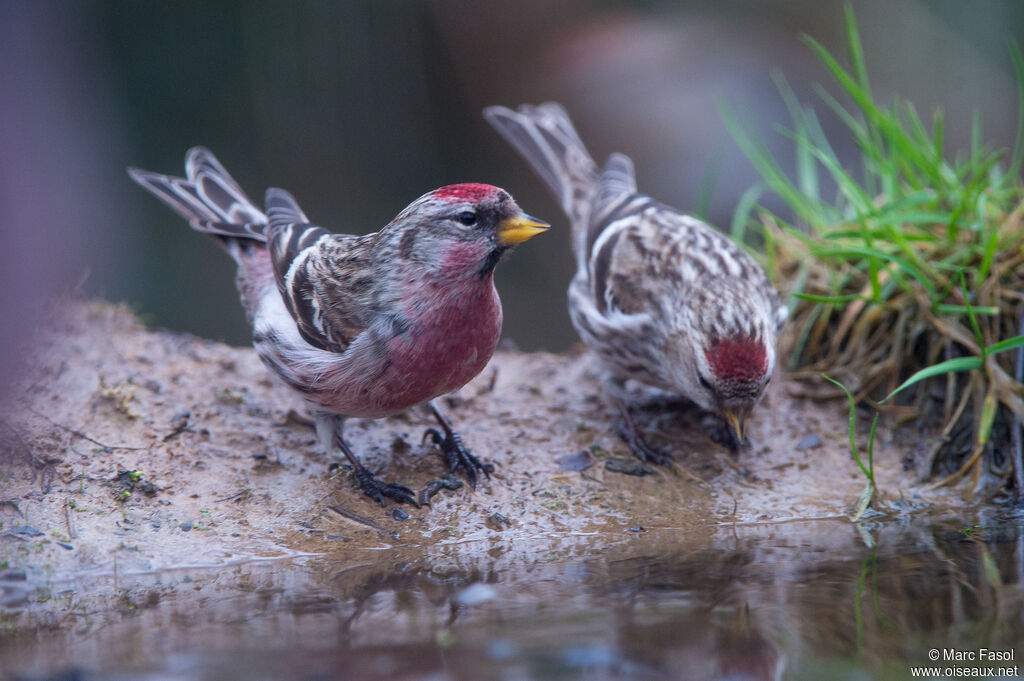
449,482
377,490
647,453
457,456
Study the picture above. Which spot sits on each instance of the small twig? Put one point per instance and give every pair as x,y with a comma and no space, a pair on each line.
237,495
950,424
84,436
361,520
72,532
979,449
180,423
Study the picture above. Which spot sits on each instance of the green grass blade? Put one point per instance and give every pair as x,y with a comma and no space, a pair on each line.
853,427
1004,345
987,310
806,173
863,502
956,364
913,218
847,251
970,311
887,122
991,246
708,181
860,201
829,299
856,49
759,156
860,68
869,490
741,217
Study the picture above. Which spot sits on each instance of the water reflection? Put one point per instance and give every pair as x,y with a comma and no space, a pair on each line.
798,601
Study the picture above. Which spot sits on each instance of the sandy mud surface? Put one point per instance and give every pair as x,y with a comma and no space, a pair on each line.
126,452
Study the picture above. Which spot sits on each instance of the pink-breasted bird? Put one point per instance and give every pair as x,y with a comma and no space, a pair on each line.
362,326
659,296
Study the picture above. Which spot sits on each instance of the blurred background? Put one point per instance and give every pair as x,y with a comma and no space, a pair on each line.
360,107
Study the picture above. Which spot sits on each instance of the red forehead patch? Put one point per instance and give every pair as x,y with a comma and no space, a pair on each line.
737,359
469,191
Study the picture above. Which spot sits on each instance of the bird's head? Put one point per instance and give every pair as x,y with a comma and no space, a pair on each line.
734,371
463,230
726,357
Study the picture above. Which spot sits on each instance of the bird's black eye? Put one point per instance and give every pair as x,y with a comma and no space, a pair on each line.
704,382
467,217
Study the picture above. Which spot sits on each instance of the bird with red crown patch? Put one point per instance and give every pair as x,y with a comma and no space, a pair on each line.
659,296
363,326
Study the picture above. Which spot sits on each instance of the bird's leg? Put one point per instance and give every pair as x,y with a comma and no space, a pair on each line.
630,433
456,455
371,486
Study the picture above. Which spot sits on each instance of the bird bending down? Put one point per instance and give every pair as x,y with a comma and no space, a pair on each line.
362,326
659,296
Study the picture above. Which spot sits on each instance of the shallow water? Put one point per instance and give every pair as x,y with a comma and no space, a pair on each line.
820,600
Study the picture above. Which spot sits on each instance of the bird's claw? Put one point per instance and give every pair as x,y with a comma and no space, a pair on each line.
377,490
449,482
640,448
457,456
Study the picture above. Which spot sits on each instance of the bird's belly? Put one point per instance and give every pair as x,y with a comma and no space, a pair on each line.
442,356
434,357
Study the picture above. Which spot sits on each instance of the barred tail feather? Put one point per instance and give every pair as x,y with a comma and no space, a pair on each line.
545,137
209,198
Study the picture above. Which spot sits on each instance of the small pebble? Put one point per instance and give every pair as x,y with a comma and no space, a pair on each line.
580,461
65,545
27,531
616,465
399,514
186,527
808,442
497,522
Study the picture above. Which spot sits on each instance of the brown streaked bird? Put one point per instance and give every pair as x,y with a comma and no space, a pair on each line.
363,326
659,296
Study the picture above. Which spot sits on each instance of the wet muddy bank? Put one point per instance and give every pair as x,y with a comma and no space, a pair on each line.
143,469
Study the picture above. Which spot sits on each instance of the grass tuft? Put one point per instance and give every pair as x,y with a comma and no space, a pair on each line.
908,282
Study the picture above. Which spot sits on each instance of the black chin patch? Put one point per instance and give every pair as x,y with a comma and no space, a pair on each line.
491,260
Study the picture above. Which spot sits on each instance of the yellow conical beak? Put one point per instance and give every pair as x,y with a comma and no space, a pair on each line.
519,228
737,421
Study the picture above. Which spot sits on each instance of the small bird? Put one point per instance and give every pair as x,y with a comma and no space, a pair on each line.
363,326
659,296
